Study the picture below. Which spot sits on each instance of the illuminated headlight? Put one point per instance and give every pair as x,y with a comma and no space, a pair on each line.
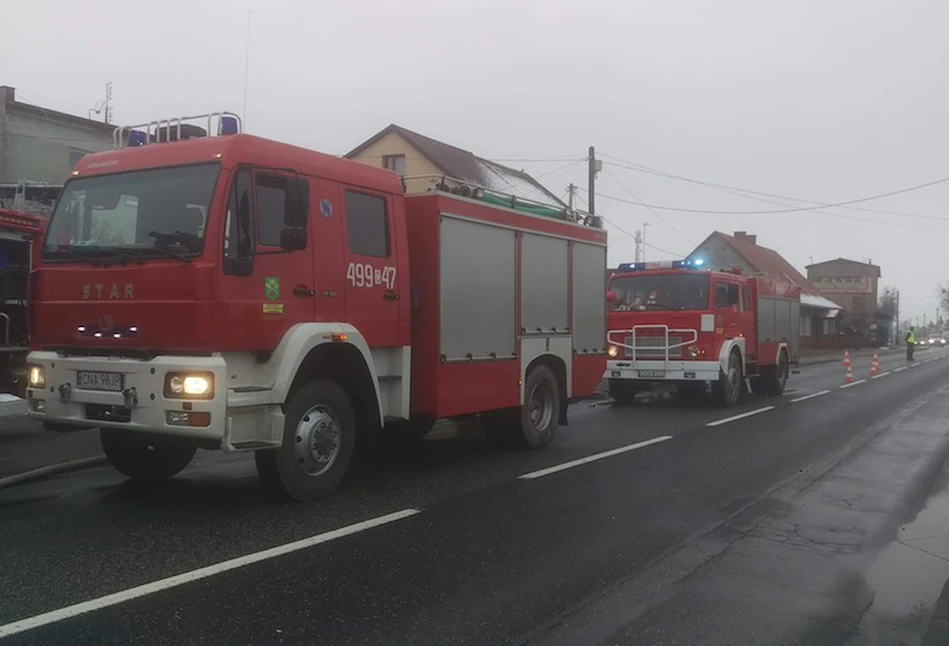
185,385
37,377
693,351
612,351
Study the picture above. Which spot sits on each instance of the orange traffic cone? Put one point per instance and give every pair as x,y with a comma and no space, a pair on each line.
849,376
875,364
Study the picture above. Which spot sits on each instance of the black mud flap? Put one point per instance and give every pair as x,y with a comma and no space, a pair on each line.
563,412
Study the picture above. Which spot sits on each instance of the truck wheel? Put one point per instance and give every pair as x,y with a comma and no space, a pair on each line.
623,391
777,378
540,414
319,438
728,388
146,457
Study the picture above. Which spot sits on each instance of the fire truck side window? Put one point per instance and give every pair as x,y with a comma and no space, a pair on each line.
746,298
367,225
239,226
726,296
271,198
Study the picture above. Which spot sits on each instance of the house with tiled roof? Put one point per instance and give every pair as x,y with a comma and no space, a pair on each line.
819,315
425,162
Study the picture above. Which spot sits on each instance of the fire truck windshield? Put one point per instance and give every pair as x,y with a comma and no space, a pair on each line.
646,292
151,212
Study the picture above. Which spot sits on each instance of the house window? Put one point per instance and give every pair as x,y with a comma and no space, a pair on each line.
367,226
74,157
830,327
807,325
395,163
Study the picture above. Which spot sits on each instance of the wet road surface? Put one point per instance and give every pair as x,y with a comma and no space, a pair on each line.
822,520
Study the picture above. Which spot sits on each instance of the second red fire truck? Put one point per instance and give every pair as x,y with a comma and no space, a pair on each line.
231,292
677,323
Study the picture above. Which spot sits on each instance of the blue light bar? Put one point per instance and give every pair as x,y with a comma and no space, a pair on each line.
661,264
229,126
137,138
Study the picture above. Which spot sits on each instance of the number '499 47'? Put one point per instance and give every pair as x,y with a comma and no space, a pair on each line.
365,275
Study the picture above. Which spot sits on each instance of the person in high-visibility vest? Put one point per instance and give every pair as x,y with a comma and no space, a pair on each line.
910,344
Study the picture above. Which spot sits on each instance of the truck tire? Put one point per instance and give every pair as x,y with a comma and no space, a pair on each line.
623,391
146,458
729,386
539,416
777,378
319,438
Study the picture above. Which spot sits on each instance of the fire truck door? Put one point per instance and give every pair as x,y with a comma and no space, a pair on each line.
748,319
727,309
371,266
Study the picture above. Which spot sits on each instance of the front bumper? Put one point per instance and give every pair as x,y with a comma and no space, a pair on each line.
656,371
141,406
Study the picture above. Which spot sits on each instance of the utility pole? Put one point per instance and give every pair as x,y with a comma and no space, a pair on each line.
645,224
571,190
897,339
638,239
108,102
594,167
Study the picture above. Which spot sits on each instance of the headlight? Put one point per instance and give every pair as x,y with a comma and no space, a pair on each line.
694,351
187,385
612,351
37,377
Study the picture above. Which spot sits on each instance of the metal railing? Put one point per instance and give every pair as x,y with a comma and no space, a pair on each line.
632,346
464,188
171,129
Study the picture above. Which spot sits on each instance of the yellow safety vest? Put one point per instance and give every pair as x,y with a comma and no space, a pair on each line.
910,337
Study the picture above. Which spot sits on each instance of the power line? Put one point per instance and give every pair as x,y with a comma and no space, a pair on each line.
622,230
659,217
654,171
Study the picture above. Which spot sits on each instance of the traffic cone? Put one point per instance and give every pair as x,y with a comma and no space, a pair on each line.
875,364
849,376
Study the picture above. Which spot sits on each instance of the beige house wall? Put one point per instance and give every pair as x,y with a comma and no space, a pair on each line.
415,163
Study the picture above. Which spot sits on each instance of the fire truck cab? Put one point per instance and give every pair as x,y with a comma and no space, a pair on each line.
676,323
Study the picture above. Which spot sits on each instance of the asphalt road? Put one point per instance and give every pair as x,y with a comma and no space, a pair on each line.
821,520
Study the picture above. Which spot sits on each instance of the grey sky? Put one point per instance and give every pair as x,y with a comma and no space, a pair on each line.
820,99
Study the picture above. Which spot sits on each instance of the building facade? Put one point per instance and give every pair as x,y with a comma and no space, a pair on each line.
819,315
855,285
42,145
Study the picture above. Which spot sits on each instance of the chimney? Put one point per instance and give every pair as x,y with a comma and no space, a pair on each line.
743,235
7,94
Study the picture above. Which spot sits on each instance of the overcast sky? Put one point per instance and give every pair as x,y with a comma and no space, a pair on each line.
825,100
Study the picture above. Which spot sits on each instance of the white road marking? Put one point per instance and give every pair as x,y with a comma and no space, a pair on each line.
811,396
853,383
915,365
195,575
900,369
719,422
592,458
882,374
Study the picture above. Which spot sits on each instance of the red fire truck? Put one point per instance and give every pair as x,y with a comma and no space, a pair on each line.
676,323
231,292
20,234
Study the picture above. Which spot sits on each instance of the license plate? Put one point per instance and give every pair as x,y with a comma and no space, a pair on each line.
111,381
688,375
616,373
651,374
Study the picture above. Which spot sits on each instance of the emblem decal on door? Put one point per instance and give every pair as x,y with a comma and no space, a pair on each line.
272,287
326,207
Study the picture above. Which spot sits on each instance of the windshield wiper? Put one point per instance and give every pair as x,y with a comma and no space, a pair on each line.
124,254
164,242
75,254
663,305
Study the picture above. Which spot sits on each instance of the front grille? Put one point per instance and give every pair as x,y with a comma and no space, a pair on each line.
653,347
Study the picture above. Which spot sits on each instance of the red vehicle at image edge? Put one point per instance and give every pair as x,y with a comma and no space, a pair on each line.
231,292
674,323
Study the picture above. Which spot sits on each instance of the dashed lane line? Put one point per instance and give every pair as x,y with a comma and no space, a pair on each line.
853,383
811,396
591,458
882,374
196,575
733,418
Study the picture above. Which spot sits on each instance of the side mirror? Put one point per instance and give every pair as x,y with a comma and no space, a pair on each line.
293,239
297,205
610,297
